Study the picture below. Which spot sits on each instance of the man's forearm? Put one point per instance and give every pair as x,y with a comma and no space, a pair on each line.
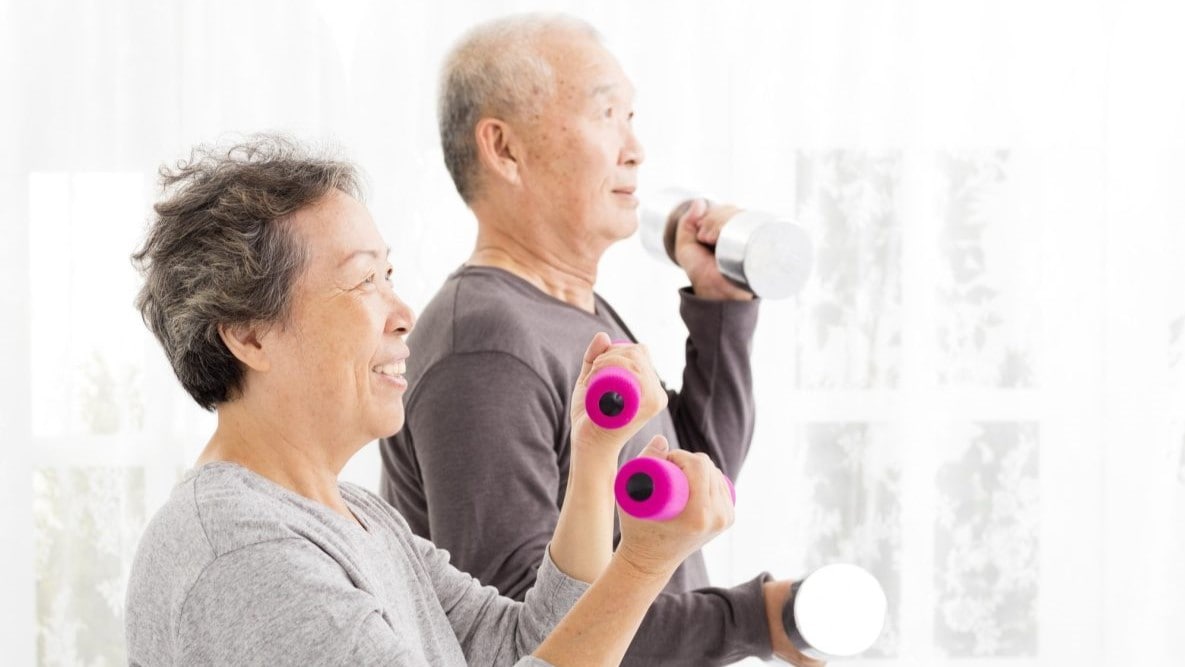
714,410
708,626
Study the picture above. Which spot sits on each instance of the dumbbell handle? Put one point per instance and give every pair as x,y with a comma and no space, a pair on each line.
654,489
763,253
613,397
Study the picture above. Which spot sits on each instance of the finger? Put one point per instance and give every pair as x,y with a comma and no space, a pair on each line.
713,221
696,210
720,486
657,448
698,469
596,348
725,493
690,221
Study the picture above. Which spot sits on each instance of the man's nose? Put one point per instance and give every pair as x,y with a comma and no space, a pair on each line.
632,153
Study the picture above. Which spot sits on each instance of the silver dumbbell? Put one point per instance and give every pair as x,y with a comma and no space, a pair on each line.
768,256
837,611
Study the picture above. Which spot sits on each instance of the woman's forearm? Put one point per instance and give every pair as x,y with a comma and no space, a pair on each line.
602,624
582,544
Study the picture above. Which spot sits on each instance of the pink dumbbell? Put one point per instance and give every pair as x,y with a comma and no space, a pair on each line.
613,397
654,489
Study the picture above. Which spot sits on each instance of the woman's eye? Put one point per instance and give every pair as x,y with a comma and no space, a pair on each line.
389,276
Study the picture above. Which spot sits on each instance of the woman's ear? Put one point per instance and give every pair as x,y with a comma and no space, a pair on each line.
245,341
498,148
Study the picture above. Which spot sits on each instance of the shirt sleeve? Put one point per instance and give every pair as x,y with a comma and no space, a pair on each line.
495,630
485,430
286,602
714,410
707,626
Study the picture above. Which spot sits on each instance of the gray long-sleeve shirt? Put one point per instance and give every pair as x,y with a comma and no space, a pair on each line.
235,569
481,465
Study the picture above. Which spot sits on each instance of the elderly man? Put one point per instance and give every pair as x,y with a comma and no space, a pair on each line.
535,121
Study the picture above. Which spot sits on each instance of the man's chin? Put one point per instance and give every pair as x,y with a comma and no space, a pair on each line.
627,226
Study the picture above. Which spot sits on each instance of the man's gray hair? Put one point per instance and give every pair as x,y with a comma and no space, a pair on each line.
495,70
219,251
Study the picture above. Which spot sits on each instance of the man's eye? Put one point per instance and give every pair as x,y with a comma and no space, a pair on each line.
389,277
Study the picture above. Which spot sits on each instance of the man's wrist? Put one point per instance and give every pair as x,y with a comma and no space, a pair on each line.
779,602
719,292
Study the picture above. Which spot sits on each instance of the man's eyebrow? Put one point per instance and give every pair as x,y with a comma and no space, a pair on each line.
603,89
372,253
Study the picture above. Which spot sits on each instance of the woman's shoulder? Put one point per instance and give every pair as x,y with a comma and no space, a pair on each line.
373,509
236,507
214,509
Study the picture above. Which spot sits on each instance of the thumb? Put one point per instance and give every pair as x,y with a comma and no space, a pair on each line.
657,448
596,348
697,210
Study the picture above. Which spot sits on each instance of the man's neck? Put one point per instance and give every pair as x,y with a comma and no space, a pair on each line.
568,279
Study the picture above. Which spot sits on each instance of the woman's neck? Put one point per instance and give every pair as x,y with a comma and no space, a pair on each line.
273,451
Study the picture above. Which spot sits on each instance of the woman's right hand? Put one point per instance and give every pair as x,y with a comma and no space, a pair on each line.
658,547
587,437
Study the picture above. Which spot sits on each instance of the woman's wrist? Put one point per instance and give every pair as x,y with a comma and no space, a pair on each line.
640,568
591,459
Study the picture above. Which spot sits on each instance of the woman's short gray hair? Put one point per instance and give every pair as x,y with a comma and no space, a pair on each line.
494,70
218,253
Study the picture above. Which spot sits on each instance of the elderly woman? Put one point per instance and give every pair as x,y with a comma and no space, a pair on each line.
267,283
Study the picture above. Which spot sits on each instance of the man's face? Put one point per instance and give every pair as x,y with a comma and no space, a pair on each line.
581,160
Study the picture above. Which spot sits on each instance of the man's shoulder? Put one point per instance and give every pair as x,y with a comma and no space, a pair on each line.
481,310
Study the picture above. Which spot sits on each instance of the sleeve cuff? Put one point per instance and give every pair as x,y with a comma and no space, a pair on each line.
556,591
753,624
704,314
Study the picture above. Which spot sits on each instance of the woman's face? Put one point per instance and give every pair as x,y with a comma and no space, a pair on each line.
340,357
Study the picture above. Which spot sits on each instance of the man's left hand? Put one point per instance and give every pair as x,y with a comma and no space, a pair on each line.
776,595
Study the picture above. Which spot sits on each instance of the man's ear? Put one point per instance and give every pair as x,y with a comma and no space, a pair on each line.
498,148
245,341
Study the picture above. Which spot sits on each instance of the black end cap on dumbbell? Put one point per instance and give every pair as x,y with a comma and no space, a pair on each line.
611,403
639,487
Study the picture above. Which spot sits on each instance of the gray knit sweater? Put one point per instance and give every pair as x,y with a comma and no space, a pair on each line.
235,569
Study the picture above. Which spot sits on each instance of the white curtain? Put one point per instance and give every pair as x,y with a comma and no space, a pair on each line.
980,395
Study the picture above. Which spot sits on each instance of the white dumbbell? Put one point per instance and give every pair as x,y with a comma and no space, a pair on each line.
769,256
837,611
